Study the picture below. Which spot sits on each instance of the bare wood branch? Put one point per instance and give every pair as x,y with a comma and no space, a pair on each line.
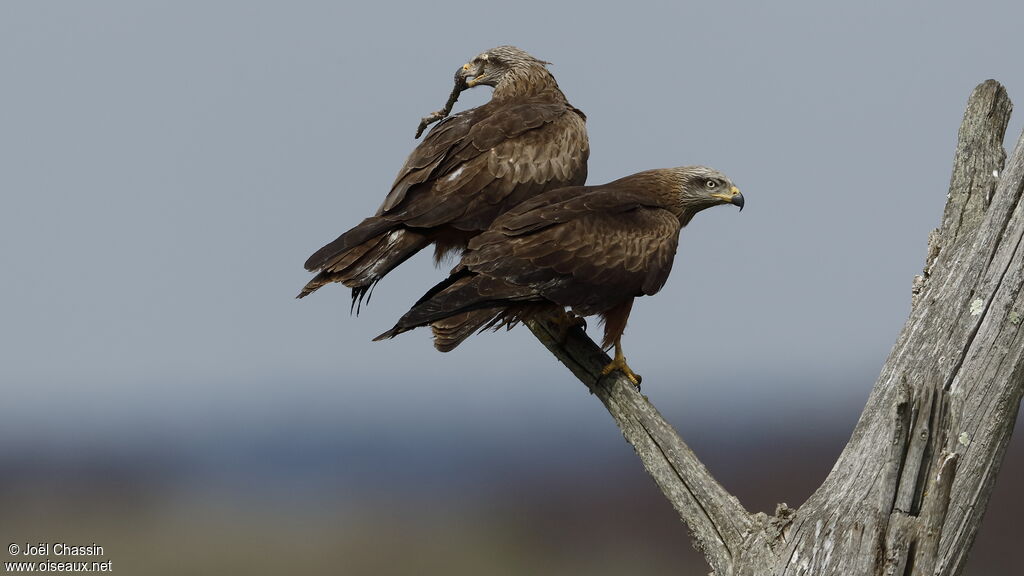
718,521
933,514
990,381
979,153
908,493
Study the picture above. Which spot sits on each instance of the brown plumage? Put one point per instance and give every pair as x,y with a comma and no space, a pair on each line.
470,168
590,248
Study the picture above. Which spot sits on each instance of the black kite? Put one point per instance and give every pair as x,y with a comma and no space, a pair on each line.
590,248
470,168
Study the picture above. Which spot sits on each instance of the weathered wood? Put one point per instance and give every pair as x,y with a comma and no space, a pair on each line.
908,493
718,522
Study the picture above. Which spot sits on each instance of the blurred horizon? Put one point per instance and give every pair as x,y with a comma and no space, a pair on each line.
505,504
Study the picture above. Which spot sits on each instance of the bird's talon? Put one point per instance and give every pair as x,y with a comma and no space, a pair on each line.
567,321
620,365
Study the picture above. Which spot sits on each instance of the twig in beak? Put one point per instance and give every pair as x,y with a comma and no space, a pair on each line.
460,85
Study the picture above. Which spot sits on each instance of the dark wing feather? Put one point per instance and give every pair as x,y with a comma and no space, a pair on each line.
477,164
592,251
589,251
460,293
469,169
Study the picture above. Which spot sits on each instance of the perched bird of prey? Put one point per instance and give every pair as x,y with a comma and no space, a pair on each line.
590,248
470,168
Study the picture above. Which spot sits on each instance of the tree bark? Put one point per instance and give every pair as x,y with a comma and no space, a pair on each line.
908,493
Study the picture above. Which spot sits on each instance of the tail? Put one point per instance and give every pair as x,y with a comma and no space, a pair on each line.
460,305
362,256
450,332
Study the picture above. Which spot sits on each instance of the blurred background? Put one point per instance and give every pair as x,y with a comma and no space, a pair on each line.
166,168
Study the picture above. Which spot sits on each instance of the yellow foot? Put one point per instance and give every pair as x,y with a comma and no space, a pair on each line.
619,363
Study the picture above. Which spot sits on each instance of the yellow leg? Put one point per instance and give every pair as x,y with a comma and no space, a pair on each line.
619,363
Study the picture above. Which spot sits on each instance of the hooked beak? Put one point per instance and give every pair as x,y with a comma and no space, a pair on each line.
733,197
470,75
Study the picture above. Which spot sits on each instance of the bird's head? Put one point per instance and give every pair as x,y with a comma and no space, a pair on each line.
498,66
700,187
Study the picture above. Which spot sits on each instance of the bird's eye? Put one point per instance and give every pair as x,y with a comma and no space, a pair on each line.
711,184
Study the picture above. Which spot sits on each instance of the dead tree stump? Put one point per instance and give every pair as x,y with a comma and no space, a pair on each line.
908,493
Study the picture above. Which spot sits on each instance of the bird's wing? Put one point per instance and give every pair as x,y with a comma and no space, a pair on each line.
590,250
475,165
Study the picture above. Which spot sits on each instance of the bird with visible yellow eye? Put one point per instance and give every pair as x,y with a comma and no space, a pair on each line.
591,249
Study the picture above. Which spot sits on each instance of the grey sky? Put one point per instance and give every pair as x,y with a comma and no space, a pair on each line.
168,166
